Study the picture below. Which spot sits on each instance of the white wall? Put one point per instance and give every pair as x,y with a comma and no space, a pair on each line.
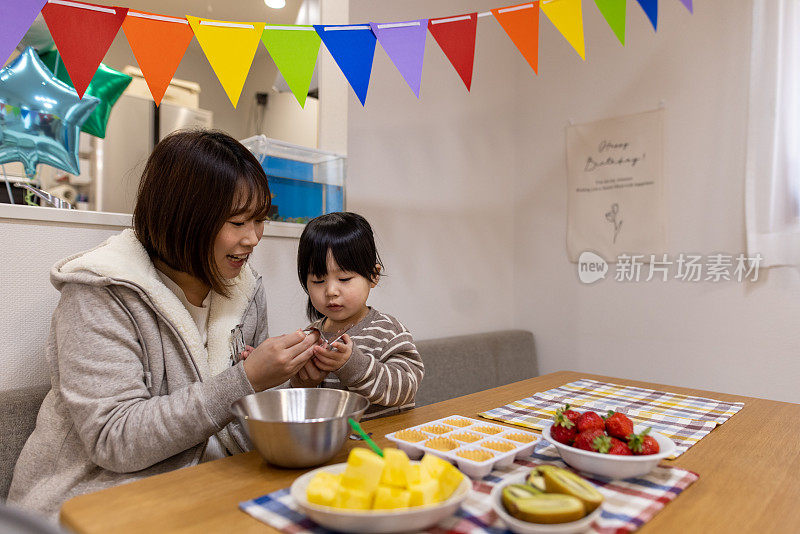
441,178
435,177
30,248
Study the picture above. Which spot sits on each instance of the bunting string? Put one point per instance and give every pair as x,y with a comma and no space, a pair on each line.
83,32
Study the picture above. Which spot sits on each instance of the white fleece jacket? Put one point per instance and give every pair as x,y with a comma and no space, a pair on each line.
134,392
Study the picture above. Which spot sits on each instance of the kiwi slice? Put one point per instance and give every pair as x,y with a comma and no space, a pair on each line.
547,508
516,492
558,480
536,480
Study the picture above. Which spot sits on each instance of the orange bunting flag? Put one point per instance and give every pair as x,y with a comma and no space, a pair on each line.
567,16
521,23
230,48
82,33
456,38
158,43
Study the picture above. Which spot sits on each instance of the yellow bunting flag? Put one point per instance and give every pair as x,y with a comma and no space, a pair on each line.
230,48
566,15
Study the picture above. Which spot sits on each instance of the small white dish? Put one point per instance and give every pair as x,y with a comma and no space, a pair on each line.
375,521
524,527
612,465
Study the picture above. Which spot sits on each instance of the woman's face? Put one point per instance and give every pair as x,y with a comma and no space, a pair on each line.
234,243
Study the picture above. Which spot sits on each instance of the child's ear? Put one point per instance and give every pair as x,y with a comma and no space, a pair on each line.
376,278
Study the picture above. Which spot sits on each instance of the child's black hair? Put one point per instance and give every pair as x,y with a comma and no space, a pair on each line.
349,238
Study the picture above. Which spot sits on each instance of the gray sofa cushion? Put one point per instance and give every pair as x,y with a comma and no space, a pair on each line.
459,365
18,411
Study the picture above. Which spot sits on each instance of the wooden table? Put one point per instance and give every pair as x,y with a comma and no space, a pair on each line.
749,474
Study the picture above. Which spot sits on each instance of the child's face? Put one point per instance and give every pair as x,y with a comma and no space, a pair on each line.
339,295
234,243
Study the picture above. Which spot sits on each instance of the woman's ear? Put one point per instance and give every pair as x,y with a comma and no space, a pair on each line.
376,277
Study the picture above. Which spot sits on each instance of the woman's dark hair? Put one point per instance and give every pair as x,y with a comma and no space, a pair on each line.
193,182
349,238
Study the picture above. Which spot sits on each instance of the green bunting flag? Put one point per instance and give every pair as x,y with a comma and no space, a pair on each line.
294,50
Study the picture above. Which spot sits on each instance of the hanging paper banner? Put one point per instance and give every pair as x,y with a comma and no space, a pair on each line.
18,16
353,49
688,4
567,17
456,38
650,8
158,44
82,33
294,50
230,48
521,23
615,199
614,13
404,42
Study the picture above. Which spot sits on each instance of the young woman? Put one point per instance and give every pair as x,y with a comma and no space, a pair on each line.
140,349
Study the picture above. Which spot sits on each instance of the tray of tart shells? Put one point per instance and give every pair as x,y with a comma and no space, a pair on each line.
475,446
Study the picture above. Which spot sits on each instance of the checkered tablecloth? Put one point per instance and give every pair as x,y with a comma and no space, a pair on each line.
628,504
684,418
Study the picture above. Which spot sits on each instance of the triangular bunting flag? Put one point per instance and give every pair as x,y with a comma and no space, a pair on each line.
614,13
688,4
567,16
230,48
82,33
294,50
158,43
650,8
404,42
521,23
456,38
353,48
17,17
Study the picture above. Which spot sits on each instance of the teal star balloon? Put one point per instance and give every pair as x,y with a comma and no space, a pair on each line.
40,116
107,84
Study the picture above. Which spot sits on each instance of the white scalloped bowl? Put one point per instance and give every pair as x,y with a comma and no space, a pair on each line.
612,465
524,527
375,521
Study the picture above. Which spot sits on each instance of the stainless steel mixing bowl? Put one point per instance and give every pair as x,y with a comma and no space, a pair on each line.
299,427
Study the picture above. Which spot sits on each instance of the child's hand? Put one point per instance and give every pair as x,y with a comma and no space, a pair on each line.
309,376
334,357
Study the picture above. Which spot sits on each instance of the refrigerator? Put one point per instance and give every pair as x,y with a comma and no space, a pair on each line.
135,126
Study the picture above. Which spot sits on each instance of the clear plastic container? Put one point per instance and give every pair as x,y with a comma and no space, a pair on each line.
475,446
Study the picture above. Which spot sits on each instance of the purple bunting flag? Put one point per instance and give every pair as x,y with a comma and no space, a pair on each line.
688,4
17,16
404,42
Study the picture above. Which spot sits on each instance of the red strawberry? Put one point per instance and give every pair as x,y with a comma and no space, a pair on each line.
618,425
619,448
564,434
587,440
642,443
565,412
589,420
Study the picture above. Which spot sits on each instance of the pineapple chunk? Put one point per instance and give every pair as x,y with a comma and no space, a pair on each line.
413,474
448,477
322,488
352,499
363,471
387,497
423,492
395,468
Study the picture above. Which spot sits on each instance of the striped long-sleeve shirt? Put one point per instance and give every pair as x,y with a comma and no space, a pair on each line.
385,366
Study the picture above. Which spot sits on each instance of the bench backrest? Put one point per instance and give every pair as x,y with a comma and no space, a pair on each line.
18,411
459,365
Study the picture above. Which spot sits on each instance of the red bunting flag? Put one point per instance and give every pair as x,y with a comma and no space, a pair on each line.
158,43
521,23
456,38
82,33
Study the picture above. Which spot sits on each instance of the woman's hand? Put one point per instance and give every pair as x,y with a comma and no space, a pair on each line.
309,376
277,359
327,359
